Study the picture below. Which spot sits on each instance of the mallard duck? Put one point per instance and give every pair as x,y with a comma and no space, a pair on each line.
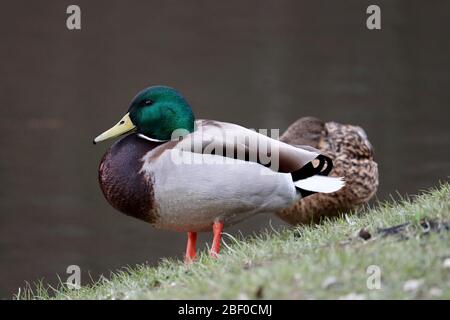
188,175
352,155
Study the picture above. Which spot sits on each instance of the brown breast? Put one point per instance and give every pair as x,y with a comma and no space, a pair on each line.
123,185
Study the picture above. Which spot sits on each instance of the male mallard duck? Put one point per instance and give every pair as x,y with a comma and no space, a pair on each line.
173,173
352,155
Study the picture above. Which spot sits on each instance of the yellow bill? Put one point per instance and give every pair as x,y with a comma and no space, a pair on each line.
125,125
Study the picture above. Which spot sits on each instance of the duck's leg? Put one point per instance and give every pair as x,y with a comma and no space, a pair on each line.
191,249
217,230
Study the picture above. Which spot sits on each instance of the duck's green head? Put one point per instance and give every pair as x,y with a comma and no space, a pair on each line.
155,112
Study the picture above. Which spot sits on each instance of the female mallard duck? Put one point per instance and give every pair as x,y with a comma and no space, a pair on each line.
352,155
173,173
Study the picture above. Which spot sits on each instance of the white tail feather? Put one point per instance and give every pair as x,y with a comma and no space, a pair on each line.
320,184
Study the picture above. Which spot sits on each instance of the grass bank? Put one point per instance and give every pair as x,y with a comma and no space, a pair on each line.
406,243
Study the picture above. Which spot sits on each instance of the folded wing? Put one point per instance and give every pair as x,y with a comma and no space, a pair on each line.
234,141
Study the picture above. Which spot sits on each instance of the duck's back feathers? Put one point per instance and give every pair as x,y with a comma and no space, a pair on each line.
352,155
305,131
237,142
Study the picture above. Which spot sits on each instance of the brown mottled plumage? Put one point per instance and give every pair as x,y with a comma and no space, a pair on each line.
352,156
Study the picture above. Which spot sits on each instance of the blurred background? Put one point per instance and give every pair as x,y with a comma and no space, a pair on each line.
261,64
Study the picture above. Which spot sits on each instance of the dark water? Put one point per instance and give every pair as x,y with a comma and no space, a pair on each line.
261,64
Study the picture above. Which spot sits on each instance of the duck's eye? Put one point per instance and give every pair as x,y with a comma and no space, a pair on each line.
147,102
